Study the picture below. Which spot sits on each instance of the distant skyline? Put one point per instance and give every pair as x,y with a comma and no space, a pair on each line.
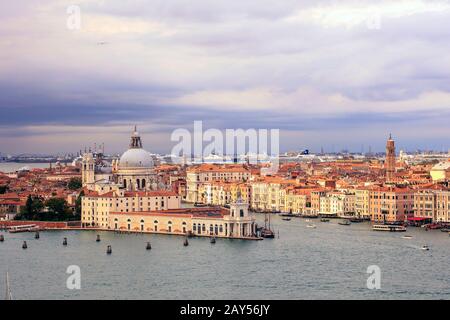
331,74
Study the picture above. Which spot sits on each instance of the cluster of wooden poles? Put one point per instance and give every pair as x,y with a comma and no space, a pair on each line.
108,248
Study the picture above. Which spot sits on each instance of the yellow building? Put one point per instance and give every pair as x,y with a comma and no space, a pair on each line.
96,206
205,173
223,193
362,203
237,222
268,194
298,201
441,171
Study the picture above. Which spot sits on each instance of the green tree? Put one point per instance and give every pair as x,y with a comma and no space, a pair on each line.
32,209
57,209
4,189
74,184
78,206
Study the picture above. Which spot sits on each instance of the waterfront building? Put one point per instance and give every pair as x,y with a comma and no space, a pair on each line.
362,202
340,204
223,193
316,196
197,175
425,204
442,206
298,201
391,204
390,159
432,204
268,193
237,222
97,205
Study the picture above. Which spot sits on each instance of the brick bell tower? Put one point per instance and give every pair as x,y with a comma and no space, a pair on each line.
389,164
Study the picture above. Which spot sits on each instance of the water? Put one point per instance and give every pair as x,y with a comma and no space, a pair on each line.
14,166
329,262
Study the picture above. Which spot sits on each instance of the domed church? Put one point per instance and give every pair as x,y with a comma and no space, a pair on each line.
134,171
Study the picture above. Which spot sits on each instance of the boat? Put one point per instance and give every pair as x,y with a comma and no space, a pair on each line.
313,226
356,220
388,227
324,220
406,237
149,246
287,215
445,230
286,219
307,220
425,247
310,216
24,228
213,240
344,222
185,243
267,232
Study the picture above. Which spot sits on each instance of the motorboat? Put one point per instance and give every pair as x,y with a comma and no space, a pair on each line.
388,227
344,222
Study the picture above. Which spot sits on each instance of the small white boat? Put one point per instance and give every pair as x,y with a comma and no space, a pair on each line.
313,226
388,227
406,237
425,247
307,220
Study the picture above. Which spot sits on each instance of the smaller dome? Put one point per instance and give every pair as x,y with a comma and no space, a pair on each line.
136,158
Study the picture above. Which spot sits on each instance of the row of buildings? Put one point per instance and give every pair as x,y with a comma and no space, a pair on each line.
381,191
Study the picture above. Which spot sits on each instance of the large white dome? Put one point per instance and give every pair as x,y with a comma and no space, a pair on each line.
136,158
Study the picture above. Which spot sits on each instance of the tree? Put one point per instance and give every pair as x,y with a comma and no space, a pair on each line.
78,206
4,189
32,209
57,209
74,184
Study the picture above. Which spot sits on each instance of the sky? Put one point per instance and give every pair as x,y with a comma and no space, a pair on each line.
329,74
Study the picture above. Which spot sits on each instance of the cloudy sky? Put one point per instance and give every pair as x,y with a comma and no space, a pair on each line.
331,74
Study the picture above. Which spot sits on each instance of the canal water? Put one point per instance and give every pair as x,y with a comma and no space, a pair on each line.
328,262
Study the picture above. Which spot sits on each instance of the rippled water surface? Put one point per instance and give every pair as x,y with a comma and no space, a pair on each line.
329,262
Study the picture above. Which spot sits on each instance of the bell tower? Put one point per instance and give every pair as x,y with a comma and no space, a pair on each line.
239,209
88,169
390,159
136,142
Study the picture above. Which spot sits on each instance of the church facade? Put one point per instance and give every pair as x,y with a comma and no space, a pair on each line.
134,171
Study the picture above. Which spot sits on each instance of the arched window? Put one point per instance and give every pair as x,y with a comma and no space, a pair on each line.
156,221
143,184
142,221
125,183
138,183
